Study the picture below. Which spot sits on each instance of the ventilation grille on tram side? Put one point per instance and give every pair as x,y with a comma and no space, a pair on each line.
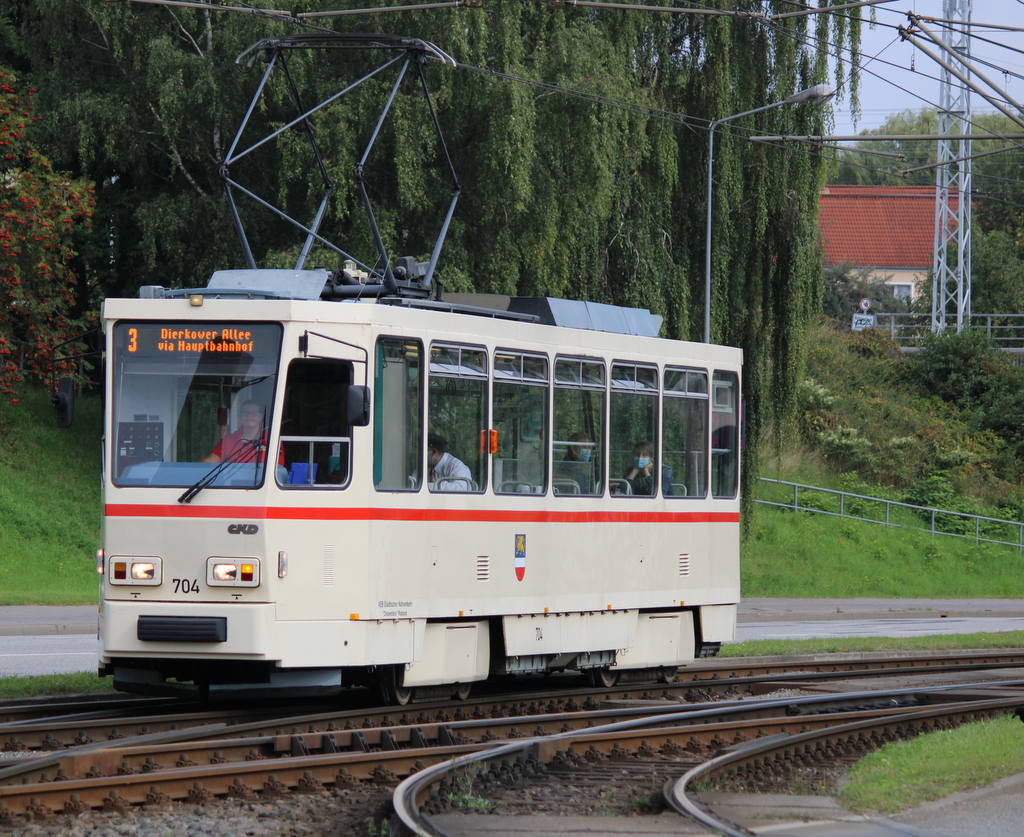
483,568
684,564
328,565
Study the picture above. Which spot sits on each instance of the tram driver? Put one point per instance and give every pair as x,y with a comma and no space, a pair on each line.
246,444
446,472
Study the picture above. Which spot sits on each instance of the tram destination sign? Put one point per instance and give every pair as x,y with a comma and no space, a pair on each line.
169,339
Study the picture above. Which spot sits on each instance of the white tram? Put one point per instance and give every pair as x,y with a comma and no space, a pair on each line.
318,545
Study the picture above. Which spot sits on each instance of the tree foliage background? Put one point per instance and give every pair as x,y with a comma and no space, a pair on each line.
579,136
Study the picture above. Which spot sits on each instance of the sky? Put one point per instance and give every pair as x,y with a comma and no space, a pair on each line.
901,76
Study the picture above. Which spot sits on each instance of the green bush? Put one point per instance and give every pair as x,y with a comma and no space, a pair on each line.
953,365
947,416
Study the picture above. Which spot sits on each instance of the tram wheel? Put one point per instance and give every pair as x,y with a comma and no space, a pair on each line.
462,690
604,677
391,691
668,674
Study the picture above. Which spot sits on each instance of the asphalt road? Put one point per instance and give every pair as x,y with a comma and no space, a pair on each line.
50,654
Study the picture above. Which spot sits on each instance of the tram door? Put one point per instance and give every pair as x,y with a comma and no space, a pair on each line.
316,441
398,415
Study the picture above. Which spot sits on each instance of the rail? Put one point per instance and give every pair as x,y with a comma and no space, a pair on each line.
911,330
837,503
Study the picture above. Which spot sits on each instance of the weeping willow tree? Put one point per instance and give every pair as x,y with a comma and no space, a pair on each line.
580,137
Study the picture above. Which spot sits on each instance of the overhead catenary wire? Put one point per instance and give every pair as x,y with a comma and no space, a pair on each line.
653,112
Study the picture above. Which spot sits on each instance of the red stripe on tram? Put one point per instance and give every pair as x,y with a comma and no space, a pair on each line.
397,514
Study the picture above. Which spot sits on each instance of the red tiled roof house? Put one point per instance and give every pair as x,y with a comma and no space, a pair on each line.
888,229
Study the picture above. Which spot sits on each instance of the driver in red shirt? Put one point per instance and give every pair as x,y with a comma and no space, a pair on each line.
246,444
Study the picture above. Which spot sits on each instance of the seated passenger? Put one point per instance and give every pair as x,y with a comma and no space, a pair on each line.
576,464
446,472
641,474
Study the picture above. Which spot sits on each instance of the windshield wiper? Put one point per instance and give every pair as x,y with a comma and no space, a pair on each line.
250,446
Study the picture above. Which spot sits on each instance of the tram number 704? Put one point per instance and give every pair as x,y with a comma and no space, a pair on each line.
186,585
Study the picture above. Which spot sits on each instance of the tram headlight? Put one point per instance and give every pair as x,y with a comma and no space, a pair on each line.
144,570
232,572
224,572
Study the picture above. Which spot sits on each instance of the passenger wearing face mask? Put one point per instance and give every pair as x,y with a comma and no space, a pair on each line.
576,462
641,473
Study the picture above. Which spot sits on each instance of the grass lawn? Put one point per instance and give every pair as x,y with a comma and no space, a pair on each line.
810,555
853,644
906,774
79,683
49,502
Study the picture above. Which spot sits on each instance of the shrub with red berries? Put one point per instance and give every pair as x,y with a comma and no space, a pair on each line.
39,211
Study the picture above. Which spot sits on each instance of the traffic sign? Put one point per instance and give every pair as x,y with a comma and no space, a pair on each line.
863,321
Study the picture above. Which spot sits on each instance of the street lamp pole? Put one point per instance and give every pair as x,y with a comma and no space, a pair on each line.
818,93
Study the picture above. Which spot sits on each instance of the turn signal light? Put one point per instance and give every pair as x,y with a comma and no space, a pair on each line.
232,572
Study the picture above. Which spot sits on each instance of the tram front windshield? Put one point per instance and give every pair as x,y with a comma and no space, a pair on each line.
192,398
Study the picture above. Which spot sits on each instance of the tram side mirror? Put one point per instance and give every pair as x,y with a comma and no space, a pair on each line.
358,413
63,401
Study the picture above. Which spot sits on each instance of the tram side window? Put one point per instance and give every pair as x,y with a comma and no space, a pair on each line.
316,446
578,431
724,434
456,416
520,417
633,464
398,415
684,423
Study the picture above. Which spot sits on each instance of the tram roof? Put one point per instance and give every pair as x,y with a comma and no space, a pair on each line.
309,284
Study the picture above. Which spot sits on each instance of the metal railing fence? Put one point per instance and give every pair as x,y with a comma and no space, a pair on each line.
810,498
911,330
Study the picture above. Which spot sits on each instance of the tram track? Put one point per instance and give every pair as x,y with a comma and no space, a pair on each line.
219,744
778,750
206,757
112,719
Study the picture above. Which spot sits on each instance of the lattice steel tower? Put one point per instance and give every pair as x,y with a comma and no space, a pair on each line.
951,290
